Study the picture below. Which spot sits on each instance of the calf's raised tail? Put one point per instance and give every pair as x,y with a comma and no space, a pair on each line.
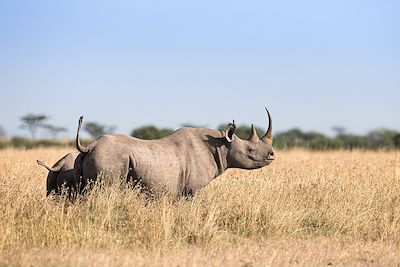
54,169
80,148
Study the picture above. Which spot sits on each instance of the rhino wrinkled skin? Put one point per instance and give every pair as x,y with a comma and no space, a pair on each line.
181,163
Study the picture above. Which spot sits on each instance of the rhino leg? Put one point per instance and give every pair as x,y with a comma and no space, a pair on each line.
132,176
78,174
89,174
71,182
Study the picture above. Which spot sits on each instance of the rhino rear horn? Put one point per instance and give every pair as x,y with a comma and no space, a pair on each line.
253,136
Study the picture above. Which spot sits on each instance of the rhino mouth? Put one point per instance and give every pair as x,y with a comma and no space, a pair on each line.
267,160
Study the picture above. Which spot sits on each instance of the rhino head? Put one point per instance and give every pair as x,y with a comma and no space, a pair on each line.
252,153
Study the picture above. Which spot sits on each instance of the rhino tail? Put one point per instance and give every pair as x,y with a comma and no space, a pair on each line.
80,148
53,169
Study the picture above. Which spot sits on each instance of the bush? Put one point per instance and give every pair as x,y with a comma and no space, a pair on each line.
21,142
150,132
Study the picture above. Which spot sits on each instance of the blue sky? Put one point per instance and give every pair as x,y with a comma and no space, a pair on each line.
314,64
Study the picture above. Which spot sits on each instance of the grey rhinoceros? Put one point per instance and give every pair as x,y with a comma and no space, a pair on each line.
62,174
181,163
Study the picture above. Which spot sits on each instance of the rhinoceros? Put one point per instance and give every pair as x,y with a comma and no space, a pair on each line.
62,174
181,163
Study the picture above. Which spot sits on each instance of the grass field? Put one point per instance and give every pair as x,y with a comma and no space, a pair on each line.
307,208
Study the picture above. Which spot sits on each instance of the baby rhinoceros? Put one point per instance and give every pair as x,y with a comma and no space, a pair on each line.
61,175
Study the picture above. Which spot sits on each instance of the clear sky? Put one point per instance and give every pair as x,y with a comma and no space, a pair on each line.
314,64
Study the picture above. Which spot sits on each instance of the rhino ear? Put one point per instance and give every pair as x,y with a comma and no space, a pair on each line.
230,131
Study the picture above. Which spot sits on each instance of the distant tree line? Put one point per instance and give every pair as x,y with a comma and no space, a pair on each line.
376,139
34,122
294,138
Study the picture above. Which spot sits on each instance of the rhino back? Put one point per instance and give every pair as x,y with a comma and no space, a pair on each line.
69,161
180,160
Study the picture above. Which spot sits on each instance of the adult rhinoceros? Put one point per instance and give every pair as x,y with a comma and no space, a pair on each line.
181,163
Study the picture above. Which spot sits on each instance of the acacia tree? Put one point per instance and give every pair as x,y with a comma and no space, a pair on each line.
339,130
54,130
2,132
32,122
95,129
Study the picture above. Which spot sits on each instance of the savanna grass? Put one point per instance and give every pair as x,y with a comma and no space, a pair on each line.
343,195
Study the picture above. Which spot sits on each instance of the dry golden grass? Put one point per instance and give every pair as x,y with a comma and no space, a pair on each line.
307,208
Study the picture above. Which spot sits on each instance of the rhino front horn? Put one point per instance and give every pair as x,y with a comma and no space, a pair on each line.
268,134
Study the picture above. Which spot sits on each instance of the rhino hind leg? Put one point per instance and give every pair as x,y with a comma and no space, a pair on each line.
88,175
132,176
187,192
